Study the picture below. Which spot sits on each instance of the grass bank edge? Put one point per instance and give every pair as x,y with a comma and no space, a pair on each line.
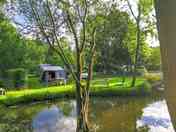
52,93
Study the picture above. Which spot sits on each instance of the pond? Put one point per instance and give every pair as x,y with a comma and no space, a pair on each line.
115,114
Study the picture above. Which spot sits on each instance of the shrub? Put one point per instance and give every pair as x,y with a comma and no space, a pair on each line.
16,78
153,77
1,83
33,82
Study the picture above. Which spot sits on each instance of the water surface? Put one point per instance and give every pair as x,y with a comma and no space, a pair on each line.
130,114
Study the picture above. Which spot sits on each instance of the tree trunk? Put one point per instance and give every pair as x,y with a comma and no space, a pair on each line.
82,101
136,54
82,113
82,110
166,23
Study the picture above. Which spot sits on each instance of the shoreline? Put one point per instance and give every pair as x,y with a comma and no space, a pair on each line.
67,92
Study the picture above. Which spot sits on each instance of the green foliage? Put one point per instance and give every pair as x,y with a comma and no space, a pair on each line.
153,77
16,78
154,60
33,82
116,43
12,49
17,52
112,50
146,6
53,58
1,83
130,40
35,54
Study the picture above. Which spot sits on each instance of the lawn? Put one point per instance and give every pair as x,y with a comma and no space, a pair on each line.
110,86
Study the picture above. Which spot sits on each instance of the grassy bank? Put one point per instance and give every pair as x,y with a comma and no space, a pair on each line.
99,87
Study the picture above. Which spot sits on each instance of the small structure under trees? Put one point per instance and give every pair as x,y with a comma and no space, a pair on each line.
50,73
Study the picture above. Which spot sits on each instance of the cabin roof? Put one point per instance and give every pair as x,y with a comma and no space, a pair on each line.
49,67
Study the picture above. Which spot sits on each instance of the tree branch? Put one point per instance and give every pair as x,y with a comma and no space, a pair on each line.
92,53
41,26
71,25
84,26
65,59
131,10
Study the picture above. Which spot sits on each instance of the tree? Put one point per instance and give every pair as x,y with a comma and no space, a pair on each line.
12,49
51,17
53,58
34,54
113,50
19,52
166,19
154,60
15,51
143,8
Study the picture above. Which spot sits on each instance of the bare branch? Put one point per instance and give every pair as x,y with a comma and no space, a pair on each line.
66,60
71,25
131,10
38,20
51,44
84,26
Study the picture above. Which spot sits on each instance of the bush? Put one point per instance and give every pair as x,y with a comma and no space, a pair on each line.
34,82
16,78
1,79
153,77
1,83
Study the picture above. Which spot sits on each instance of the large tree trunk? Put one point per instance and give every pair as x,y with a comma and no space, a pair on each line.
82,110
166,22
82,101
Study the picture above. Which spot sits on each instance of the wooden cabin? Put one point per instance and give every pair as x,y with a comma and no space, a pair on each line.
50,73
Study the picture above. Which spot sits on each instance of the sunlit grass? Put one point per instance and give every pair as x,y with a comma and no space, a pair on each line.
100,86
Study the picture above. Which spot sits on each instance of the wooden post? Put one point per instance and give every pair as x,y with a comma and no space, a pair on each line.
166,23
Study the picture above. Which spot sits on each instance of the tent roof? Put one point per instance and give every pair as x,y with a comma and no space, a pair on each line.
48,67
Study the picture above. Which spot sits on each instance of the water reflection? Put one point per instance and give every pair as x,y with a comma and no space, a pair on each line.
52,119
156,117
130,114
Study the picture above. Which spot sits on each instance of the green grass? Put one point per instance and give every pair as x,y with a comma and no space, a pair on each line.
110,86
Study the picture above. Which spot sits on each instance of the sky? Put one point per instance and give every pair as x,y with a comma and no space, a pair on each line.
152,41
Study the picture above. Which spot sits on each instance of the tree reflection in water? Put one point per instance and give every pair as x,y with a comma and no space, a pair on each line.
129,114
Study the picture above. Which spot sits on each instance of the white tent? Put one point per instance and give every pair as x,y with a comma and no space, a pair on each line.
51,73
